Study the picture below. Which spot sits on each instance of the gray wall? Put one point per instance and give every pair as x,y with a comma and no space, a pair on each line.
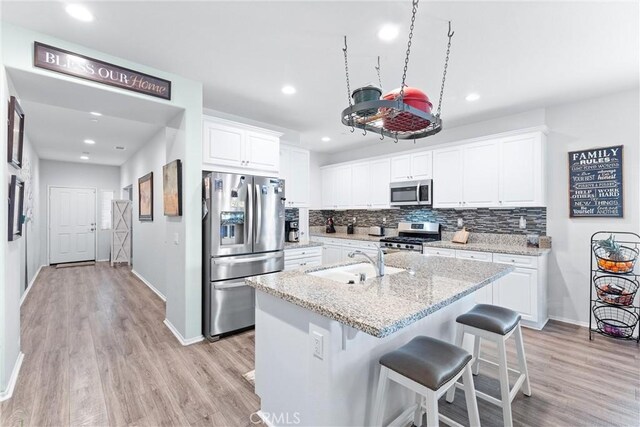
78,175
149,238
574,127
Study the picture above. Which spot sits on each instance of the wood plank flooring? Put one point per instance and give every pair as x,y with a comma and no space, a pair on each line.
97,353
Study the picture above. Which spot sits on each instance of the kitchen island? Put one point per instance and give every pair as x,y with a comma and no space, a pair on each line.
318,340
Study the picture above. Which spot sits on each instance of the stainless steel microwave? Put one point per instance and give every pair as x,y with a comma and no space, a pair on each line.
411,193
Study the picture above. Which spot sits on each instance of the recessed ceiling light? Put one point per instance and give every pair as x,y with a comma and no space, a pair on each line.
95,113
79,11
472,97
326,139
388,32
94,120
89,141
288,90
84,157
120,147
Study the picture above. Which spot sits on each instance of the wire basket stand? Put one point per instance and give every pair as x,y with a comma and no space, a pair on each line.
614,309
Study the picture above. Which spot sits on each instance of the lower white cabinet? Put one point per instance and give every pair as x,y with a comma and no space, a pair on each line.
303,257
523,290
337,250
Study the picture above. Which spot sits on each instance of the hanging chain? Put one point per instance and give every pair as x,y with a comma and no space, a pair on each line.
406,59
444,72
378,71
346,70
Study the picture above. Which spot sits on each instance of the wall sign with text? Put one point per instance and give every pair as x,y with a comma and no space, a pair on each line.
73,64
595,182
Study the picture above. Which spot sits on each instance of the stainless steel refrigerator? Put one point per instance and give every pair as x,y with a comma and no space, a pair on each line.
243,235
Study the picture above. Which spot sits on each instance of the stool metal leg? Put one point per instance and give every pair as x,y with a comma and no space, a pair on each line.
432,409
503,369
476,355
470,397
380,394
522,361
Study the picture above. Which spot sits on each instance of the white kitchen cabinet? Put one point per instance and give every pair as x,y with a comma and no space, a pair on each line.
370,185
522,178
234,147
332,254
448,253
294,169
447,178
329,188
337,250
343,187
303,257
411,167
360,185
518,291
480,175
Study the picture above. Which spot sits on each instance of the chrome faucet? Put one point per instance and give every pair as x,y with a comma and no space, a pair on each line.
379,264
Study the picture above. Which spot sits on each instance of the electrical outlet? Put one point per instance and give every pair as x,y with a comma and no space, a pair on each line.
318,345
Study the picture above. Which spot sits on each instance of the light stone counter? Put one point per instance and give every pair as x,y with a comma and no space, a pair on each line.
382,306
301,245
498,248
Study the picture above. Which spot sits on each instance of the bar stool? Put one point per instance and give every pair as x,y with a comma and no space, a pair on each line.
495,324
428,367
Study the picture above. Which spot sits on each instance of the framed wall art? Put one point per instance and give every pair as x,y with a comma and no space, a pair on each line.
145,197
15,134
16,204
595,183
172,188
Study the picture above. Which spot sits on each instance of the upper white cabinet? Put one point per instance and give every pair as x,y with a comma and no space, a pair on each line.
234,147
363,185
294,169
411,167
522,177
447,178
494,173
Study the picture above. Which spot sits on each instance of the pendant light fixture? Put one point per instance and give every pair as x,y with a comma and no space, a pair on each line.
403,113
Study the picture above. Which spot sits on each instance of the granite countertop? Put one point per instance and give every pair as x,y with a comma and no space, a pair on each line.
499,248
362,237
382,306
301,245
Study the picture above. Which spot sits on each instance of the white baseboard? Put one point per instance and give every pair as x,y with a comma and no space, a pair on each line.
102,260
149,285
179,336
263,418
571,321
4,395
30,285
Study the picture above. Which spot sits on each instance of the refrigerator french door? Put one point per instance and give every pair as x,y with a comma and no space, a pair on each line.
243,235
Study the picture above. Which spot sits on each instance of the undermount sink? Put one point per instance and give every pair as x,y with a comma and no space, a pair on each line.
351,273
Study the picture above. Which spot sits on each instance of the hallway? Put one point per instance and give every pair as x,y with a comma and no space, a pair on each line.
97,353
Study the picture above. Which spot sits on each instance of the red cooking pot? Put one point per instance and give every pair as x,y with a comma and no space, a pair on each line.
407,122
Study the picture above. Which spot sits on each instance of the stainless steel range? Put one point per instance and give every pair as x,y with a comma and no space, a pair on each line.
411,236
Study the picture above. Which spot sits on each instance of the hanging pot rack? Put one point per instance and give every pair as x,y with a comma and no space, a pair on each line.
371,116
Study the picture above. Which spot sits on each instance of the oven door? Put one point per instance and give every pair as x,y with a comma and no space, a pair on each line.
404,193
424,193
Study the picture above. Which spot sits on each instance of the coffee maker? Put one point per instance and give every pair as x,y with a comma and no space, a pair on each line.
291,233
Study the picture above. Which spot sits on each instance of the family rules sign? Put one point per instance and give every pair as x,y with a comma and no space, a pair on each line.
73,64
595,183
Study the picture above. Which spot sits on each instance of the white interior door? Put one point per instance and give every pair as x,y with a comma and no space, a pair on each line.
72,225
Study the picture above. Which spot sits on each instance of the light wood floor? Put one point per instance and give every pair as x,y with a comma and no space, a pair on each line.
97,353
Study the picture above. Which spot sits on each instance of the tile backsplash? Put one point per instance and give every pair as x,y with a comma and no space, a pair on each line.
499,221
291,214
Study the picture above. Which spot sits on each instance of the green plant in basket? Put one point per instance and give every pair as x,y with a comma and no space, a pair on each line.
615,259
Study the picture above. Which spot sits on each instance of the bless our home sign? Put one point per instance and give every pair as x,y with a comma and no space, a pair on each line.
595,182
73,64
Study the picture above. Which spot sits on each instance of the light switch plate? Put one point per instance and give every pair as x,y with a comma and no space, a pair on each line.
318,344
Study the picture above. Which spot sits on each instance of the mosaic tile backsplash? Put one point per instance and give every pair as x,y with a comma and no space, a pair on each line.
499,221
291,214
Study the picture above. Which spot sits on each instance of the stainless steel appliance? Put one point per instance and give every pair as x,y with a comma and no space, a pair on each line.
411,193
411,236
291,231
243,235
376,230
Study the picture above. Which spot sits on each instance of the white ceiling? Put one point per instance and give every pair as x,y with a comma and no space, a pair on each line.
516,55
57,113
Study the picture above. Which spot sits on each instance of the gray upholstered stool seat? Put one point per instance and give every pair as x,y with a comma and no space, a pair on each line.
427,361
492,318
